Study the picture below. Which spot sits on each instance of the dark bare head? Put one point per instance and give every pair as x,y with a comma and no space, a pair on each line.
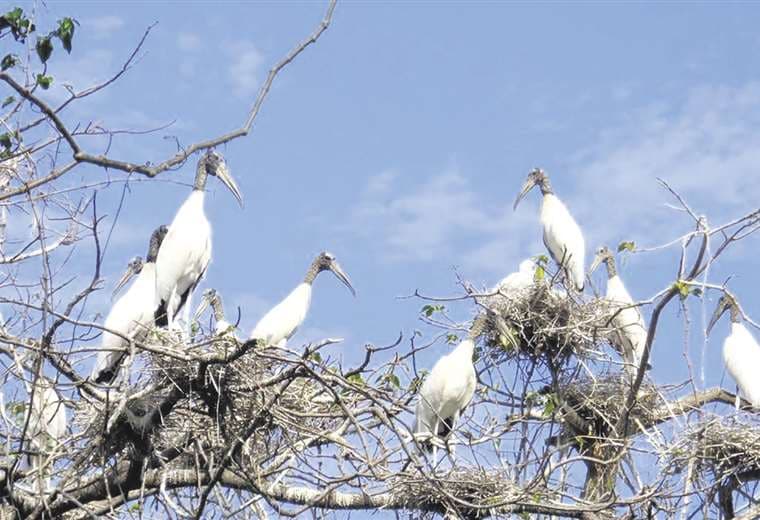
537,177
326,261
212,163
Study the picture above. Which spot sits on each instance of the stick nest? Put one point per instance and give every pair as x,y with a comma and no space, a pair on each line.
546,323
722,447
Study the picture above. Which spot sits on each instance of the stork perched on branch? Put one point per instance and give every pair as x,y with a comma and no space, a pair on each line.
282,321
446,392
186,251
741,351
132,314
562,236
632,330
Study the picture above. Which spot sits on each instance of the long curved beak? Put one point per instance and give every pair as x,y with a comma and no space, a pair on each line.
205,302
342,276
719,310
525,189
128,274
596,263
224,175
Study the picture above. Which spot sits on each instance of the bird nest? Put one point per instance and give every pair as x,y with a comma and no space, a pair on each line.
722,447
547,323
601,400
478,487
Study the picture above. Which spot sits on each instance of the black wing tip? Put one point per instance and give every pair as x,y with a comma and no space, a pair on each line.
105,376
160,317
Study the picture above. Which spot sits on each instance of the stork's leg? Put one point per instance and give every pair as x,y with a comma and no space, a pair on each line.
186,315
738,399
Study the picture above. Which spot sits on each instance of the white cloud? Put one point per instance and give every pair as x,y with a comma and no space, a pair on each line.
187,41
244,69
706,146
102,26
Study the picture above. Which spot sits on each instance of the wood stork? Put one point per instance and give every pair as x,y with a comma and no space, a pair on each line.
47,427
632,330
211,297
447,391
562,236
741,352
281,322
186,252
132,314
520,280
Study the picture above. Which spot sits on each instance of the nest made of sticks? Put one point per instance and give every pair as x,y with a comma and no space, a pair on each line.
721,446
600,400
542,322
475,486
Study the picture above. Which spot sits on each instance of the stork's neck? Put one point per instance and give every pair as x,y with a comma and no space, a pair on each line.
736,316
311,274
546,187
201,175
611,268
466,349
218,308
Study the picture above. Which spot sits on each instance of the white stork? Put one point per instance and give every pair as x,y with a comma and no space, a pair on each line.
562,236
212,298
132,314
632,330
281,322
741,352
186,252
47,427
518,281
446,392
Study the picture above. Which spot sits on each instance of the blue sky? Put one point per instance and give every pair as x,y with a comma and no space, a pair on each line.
400,140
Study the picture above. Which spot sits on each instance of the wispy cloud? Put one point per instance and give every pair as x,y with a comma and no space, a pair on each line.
188,41
244,69
102,27
706,146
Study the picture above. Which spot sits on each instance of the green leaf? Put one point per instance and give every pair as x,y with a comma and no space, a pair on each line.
5,141
65,32
316,357
394,380
626,246
697,292
451,338
428,310
44,81
356,379
682,288
541,259
539,274
44,48
10,60
550,405
7,101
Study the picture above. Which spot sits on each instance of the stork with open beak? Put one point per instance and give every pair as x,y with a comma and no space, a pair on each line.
741,351
132,314
212,298
186,252
632,330
562,235
282,321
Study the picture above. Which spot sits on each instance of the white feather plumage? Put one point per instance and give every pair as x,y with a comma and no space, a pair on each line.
629,322
446,392
282,321
741,354
131,315
563,238
184,255
520,280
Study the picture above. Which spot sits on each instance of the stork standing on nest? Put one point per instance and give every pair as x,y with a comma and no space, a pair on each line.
186,252
282,321
522,279
562,235
632,330
446,392
132,314
741,352
212,298
47,428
